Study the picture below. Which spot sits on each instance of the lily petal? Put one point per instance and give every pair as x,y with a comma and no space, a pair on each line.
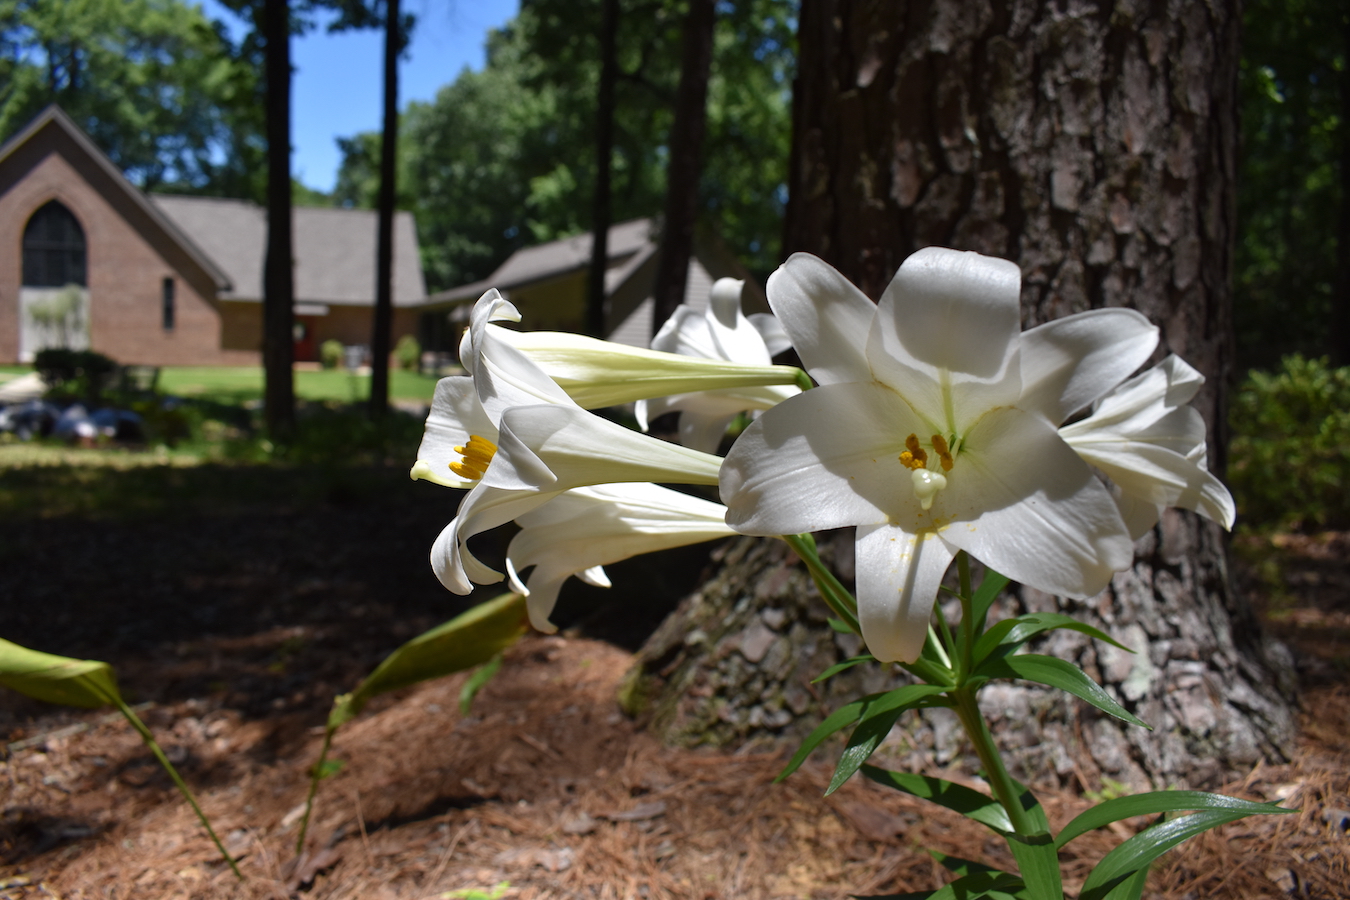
775,336
482,509
898,579
1072,362
553,447
455,415
823,459
1148,473
1031,508
826,317
946,335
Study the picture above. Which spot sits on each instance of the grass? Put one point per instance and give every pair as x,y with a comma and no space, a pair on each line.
241,383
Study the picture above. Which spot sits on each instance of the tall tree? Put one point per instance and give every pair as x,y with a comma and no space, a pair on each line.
1095,145
278,278
604,156
155,84
384,255
682,170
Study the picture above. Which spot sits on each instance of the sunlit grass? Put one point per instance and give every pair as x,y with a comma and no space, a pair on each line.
242,383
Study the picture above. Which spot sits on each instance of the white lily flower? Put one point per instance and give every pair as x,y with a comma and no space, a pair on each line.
1151,444
721,332
926,435
513,436
583,530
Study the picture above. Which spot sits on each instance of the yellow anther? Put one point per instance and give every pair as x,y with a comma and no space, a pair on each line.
477,454
944,453
914,457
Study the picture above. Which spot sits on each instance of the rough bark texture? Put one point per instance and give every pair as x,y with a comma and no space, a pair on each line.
278,281
1094,144
682,173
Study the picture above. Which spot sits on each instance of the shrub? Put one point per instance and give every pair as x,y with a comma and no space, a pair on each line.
1289,464
330,354
408,353
75,374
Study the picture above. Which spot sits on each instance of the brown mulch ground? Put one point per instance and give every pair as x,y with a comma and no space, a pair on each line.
236,605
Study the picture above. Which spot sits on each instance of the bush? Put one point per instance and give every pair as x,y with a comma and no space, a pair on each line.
330,354
408,353
1289,461
75,374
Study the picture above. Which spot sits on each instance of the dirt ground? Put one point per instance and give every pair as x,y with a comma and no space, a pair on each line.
236,603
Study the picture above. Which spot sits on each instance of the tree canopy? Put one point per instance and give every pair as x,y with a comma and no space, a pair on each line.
157,85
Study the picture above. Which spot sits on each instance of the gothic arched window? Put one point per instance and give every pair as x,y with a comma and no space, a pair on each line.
53,249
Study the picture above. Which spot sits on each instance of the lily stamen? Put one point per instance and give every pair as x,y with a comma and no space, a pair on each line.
477,455
914,457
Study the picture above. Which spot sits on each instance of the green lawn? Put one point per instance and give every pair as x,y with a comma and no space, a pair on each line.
236,384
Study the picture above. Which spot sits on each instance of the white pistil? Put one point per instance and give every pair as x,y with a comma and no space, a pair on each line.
926,485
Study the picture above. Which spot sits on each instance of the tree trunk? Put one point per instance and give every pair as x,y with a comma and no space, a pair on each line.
384,247
1340,296
682,173
278,285
604,151
1096,148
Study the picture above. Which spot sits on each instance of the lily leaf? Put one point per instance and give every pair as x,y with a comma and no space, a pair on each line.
984,597
841,666
475,683
1038,862
957,797
85,683
1008,635
878,718
1140,851
1063,675
1155,802
836,721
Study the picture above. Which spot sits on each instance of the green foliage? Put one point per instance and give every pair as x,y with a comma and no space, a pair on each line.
75,374
408,352
1288,461
330,354
156,85
504,158
1289,187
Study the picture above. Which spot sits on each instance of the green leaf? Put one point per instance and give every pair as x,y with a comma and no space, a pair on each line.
1058,673
984,597
1141,850
1131,888
957,797
958,865
85,683
328,768
475,683
1038,862
840,626
878,718
1156,802
836,721
470,639
841,666
994,885
1008,635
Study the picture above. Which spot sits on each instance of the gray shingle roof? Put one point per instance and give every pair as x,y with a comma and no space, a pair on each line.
334,249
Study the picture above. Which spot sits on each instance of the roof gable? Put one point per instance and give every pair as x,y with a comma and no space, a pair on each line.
55,132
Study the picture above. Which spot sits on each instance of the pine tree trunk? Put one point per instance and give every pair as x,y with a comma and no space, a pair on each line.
1096,148
278,281
382,322
604,151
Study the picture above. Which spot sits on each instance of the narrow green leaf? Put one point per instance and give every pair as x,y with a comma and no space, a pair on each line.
1057,673
329,768
836,721
993,885
1008,635
85,683
841,666
470,639
1141,850
840,626
957,797
475,683
985,595
1155,802
1038,862
958,865
878,718
1131,888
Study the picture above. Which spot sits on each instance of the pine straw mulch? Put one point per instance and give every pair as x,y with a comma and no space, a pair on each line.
545,790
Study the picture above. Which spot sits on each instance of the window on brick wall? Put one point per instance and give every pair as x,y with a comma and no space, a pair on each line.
168,304
53,249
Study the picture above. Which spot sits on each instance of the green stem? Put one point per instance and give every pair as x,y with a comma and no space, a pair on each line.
1005,789
967,625
150,742
315,776
804,381
836,596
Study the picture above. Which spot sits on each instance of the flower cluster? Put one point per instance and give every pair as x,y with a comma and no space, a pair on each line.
937,426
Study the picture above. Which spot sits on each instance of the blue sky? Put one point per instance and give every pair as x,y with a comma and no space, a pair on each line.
338,77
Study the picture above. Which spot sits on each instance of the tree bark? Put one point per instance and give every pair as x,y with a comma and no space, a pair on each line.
682,172
1094,145
604,152
1340,296
384,249
278,284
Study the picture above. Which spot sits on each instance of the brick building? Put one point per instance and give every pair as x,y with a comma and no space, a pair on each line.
89,260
